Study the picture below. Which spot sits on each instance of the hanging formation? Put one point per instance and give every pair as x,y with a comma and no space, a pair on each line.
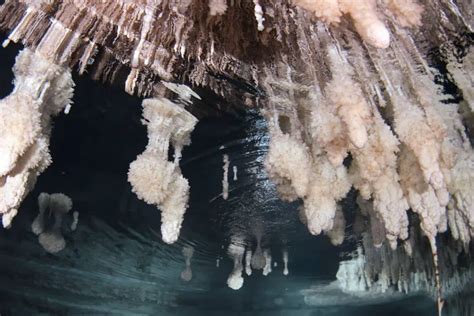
42,90
349,90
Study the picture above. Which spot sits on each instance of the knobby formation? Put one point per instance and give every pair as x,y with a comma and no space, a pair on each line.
156,180
50,236
365,95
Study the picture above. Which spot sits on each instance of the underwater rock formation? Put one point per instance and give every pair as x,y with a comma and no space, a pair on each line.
156,180
42,90
352,92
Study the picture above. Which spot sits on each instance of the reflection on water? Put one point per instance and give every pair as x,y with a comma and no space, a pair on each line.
116,263
118,270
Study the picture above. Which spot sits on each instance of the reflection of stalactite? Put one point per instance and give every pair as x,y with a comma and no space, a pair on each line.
187,273
51,238
285,262
234,169
236,252
75,220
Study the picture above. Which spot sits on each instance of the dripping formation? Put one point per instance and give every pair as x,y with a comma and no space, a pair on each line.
42,90
352,102
156,180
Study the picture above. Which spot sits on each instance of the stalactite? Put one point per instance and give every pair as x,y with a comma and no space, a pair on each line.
155,179
267,269
217,7
259,15
363,14
407,12
248,262
42,91
383,270
357,105
225,177
336,233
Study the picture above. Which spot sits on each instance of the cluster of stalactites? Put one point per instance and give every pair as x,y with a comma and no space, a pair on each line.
408,269
42,90
156,180
423,161
301,173
365,16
